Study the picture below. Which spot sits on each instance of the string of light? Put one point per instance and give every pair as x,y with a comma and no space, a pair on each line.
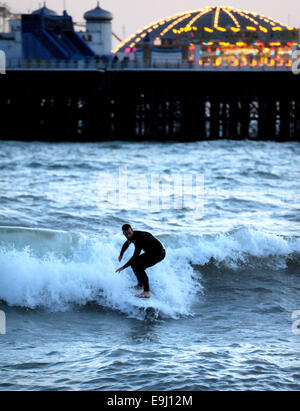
194,16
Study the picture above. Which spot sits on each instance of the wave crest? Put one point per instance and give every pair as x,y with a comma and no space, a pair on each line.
57,269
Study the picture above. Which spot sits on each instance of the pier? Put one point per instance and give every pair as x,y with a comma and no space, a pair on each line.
211,73
150,104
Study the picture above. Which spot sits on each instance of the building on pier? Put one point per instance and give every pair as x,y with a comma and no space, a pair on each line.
213,36
98,34
47,36
206,37
44,35
10,32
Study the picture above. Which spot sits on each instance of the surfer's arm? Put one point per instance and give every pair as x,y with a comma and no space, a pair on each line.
124,247
137,252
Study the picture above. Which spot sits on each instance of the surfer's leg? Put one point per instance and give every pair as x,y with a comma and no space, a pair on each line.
142,262
139,272
141,276
138,269
148,260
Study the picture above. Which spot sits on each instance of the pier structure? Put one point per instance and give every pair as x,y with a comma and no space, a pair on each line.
211,73
149,104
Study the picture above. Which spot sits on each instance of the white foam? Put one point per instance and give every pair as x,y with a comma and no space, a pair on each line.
56,282
85,271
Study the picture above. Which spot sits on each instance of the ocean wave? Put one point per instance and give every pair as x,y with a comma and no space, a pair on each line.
56,270
76,270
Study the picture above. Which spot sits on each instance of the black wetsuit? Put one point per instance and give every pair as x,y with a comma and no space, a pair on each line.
154,253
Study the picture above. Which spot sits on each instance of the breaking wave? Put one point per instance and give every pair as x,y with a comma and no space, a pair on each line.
56,270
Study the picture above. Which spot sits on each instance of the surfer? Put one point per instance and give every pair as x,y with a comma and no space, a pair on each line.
154,253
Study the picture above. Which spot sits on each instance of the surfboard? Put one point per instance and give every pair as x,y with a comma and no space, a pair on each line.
150,306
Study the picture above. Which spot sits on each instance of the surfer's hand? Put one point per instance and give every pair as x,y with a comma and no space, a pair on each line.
120,258
119,269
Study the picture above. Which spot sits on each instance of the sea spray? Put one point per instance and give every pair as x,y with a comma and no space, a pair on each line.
78,272
55,281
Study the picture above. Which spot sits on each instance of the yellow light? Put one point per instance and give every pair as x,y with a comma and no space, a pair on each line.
275,44
206,10
232,17
217,14
255,19
240,44
220,28
243,14
208,29
251,28
269,21
170,26
223,43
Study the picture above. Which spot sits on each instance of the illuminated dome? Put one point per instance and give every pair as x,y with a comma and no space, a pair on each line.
216,22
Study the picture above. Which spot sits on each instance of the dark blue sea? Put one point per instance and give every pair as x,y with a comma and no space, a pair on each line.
225,301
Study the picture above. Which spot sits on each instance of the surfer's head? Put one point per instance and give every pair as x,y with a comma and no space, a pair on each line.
127,231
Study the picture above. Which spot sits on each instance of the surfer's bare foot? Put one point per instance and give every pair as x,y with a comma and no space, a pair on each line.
145,294
138,287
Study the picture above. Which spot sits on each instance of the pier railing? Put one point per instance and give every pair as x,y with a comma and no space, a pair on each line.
102,65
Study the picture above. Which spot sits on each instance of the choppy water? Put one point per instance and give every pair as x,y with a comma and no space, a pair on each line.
224,295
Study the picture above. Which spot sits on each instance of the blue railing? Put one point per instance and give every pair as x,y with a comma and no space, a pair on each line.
76,40
51,44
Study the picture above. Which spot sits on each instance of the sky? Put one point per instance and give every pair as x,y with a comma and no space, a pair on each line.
132,15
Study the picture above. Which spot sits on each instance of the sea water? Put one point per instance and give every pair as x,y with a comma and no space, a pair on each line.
226,295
